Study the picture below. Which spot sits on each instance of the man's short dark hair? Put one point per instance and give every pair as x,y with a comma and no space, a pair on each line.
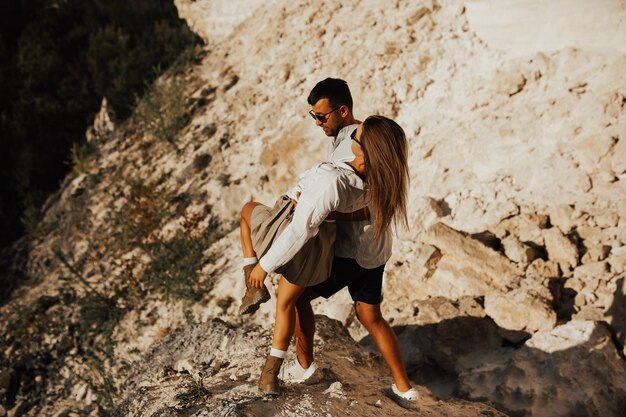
334,89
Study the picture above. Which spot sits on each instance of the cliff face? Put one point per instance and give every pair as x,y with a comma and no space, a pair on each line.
508,288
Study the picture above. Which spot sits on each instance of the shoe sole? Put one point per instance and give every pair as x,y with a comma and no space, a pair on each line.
255,305
402,402
314,378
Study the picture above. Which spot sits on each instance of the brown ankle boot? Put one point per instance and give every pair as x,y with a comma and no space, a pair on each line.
253,297
268,383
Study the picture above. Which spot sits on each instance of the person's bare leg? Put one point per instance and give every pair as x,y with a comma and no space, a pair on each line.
283,331
304,331
245,228
370,316
285,321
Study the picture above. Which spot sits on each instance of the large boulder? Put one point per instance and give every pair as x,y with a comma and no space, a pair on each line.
468,267
571,370
520,310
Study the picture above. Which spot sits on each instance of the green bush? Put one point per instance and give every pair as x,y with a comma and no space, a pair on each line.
175,265
57,60
162,110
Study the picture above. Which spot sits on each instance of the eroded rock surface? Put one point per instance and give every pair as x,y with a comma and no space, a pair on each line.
512,269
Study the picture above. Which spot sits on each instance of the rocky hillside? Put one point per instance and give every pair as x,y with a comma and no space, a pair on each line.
507,289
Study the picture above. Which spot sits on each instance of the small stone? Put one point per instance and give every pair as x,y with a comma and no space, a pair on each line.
575,284
592,270
242,376
335,390
596,253
81,392
617,260
561,249
542,269
606,220
518,251
379,404
561,217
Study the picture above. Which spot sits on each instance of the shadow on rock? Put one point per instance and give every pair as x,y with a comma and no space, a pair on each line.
571,370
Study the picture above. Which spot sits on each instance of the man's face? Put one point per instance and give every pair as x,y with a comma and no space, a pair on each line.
333,121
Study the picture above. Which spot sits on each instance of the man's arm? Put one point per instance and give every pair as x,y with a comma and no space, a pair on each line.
359,215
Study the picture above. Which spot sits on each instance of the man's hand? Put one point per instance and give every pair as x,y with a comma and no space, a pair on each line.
257,276
359,215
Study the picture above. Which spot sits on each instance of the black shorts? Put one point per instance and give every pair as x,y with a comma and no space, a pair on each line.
365,285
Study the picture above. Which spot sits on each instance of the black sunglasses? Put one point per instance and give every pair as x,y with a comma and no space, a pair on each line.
353,137
322,117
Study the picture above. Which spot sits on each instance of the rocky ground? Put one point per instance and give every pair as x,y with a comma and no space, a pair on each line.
507,291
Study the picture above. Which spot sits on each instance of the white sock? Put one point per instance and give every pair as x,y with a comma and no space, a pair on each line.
278,353
250,261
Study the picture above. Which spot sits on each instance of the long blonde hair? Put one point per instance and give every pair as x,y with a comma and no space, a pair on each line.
385,146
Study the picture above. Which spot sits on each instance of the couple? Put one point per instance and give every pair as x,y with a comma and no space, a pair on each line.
365,177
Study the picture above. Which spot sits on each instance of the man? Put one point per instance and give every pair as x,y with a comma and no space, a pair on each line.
359,258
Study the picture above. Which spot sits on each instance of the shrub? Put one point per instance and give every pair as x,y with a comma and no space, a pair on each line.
175,264
162,111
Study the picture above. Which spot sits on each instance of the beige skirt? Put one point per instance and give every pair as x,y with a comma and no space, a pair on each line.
311,265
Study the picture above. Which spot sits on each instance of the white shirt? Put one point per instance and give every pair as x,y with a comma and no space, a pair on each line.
355,239
330,186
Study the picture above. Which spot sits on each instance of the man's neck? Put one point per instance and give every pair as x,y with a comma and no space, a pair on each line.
350,121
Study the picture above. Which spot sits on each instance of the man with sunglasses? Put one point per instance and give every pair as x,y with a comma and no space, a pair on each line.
331,108
359,258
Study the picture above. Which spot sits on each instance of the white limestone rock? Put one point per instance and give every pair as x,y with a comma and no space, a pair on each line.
561,217
520,310
518,251
596,253
540,269
595,270
527,227
617,259
560,249
471,258
573,369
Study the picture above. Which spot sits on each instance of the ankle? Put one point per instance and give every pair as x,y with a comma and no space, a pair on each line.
305,362
403,386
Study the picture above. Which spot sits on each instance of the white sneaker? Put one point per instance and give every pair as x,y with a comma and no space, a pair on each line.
294,373
407,399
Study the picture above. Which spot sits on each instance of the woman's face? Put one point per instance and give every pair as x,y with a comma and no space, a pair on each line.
359,157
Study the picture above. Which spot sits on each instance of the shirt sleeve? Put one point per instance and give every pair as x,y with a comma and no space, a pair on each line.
315,203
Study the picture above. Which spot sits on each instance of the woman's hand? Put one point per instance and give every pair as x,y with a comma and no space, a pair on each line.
295,202
257,276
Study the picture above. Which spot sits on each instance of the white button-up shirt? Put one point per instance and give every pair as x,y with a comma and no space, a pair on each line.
355,239
330,186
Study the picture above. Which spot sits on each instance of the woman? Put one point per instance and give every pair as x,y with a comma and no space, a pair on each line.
378,175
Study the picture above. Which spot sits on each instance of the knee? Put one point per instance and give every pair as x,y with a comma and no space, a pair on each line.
369,316
246,211
286,306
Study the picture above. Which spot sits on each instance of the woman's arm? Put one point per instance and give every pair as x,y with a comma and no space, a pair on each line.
313,207
359,215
